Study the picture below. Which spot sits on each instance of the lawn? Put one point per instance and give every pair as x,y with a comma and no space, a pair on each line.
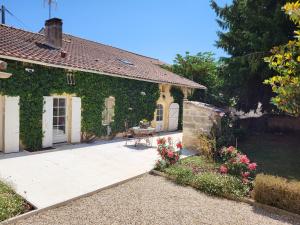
275,154
10,203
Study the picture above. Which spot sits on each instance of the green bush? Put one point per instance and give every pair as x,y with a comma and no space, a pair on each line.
10,203
220,185
278,192
181,175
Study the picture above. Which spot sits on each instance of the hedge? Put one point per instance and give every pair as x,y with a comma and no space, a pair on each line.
277,192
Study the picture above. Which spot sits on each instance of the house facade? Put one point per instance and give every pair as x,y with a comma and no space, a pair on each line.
57,88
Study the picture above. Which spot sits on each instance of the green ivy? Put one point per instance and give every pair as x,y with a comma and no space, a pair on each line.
92,88
178,96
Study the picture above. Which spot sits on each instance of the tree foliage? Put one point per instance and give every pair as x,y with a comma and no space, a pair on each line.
203,69
285,60
249,29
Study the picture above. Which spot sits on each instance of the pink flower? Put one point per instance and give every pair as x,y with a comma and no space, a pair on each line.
170,154
230,149
245,175
179,145
245,180
244,159
223,169
252,166
233,160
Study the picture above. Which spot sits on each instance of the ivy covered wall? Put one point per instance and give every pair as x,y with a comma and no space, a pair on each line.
92,88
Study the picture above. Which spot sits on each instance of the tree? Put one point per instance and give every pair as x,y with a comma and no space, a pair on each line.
285,60
203,69
249,29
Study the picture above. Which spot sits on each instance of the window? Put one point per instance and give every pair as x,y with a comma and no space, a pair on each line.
70,79
159,112
127,62
109,111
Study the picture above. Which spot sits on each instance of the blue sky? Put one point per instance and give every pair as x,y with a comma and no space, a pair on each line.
155,28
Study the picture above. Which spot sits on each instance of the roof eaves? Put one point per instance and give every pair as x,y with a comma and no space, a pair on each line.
197,86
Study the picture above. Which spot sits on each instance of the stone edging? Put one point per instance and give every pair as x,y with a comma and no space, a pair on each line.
36,211
244,200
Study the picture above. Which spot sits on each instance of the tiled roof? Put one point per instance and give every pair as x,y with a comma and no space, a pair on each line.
85,55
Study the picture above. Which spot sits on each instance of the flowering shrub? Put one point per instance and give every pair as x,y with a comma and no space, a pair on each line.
169,154
237,164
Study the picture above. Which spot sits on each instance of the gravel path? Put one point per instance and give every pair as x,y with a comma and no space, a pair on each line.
153,200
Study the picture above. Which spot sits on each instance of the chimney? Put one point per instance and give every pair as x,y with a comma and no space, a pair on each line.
53,32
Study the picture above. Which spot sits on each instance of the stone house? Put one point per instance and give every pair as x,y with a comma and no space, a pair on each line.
55,88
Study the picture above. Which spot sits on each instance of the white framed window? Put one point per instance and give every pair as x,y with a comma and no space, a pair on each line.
159,112
109,111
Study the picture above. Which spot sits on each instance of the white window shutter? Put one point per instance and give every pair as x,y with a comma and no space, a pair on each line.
76,120
12,124
48,122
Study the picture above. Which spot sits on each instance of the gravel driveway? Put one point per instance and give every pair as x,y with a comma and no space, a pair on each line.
153,200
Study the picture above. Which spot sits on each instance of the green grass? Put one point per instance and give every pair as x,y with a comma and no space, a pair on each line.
275,154
200,163
10,203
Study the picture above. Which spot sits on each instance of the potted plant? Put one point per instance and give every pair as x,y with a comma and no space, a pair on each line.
144,124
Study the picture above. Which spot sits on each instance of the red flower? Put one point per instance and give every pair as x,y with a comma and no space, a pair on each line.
244,159
252,166
245,175
170,154
223,169
230,149
179,145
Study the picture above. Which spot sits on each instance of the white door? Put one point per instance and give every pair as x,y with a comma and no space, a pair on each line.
59,119
173,116
48,122
11,124
76,120
159,118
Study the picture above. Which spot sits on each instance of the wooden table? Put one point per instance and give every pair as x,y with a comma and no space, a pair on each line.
140,134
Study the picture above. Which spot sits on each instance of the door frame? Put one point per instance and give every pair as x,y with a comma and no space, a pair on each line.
159,123
65,139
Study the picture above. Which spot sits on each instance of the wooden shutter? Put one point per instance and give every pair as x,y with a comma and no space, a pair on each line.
11,124
76,120
48,122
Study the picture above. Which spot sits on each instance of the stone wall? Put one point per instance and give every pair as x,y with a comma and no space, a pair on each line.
199,118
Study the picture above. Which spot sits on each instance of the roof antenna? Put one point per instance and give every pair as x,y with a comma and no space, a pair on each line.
3,10
50,4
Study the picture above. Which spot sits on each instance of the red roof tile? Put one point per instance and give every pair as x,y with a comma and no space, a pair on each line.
86,55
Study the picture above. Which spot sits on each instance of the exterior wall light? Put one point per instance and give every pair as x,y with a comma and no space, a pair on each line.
29,70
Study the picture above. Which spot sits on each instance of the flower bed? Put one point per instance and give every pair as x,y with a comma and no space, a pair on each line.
11,204
231,178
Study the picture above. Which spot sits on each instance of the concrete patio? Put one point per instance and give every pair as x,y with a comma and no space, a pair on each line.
54,176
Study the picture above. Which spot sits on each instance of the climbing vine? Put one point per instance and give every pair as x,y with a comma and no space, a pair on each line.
31,85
